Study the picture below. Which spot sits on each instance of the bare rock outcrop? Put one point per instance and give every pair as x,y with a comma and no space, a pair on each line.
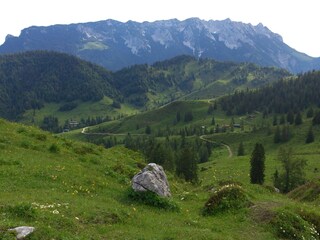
152,178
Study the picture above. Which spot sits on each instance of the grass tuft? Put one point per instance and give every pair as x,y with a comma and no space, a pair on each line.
151,199
227,197
289,225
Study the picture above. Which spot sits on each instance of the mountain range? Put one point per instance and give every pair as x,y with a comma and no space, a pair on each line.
115,45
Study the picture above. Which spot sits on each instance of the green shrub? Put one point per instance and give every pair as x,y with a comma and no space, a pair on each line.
25,144
226,198
21,130
41,137
4,162
22,211
124,170
54,148
289,225
84,150
151,199
103,218
95,161
312,218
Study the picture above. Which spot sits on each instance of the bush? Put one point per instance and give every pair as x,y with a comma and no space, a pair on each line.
68,107
103,218
23,211
152,199
226,198
291,226
312,218
54,148
82,150
41,137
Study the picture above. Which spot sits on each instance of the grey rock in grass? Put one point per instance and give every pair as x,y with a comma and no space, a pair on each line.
152,178
22,232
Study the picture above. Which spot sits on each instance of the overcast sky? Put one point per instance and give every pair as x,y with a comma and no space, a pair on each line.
297,21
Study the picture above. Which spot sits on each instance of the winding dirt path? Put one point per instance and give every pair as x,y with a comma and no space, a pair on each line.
202,137
84,131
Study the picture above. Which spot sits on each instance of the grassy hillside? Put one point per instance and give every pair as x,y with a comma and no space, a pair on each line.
185,77
73,190
83,110
37,84
29,80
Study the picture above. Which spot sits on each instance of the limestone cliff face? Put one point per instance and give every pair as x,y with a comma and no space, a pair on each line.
115,45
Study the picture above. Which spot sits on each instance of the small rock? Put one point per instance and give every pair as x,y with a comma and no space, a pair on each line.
22,231
152,178
277,190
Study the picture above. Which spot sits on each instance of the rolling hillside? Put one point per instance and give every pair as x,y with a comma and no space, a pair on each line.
35,85
85,195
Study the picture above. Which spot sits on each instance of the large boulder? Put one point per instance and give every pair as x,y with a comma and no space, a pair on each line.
152,178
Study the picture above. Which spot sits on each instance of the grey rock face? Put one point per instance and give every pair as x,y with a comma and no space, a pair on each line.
22,231
133,43
152,178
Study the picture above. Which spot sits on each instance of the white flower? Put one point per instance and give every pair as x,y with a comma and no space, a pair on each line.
55,211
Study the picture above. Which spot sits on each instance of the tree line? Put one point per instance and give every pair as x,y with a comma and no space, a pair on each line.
284,96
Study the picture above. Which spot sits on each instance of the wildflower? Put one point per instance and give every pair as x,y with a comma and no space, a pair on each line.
55,211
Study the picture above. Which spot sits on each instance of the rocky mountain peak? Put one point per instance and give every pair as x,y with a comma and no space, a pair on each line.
115,44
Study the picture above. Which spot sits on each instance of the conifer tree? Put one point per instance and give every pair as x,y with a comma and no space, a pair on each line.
215,106
188,116
277,137
290,117
275,120
285,133
310,136
257,164
210,109
310,113
148,129
298,119
213,121
203,154
178,116
316,119
187,164
293,173
241,149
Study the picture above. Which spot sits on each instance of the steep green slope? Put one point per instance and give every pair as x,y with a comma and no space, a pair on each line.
28,80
